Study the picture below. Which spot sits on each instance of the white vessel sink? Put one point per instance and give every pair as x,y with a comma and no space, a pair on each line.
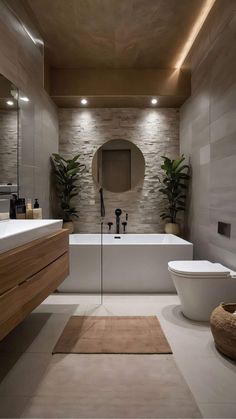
14,233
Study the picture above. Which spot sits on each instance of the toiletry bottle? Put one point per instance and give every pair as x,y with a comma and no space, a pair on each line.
29,209
37,212
20,209
13,206
36,204
4,209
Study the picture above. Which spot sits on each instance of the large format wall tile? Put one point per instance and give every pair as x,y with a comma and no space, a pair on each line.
22,63
210,116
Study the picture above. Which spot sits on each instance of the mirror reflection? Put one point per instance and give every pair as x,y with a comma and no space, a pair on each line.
118,166
8,136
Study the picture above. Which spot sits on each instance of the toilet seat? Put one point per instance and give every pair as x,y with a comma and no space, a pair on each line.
199,268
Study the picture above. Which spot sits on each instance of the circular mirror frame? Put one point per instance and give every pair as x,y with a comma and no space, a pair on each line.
118,166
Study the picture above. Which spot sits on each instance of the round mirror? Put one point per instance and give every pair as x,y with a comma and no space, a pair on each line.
118,166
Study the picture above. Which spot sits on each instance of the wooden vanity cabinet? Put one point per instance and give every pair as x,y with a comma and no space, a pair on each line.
28,274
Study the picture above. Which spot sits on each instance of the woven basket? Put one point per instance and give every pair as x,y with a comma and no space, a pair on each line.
223,327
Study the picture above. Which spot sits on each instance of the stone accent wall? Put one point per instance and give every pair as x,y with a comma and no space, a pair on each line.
208,136
154,131
8,146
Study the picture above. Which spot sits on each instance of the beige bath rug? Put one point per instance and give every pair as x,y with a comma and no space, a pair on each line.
113,335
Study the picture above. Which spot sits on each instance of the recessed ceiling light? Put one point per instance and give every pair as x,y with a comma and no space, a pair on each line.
154,101
83,101
10,103
24,98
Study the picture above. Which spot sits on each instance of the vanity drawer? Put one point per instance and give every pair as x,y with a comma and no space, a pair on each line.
21,263
18,302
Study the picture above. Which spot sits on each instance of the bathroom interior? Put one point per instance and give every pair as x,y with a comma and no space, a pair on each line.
117,209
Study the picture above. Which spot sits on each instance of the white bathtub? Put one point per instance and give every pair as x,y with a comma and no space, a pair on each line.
131,263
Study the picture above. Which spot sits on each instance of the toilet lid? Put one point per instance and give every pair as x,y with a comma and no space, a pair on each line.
198,268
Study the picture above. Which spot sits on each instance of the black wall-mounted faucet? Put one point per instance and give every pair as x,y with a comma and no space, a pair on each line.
124,225
109,225
118,213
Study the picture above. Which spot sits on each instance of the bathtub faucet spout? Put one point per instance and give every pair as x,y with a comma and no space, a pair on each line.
118,213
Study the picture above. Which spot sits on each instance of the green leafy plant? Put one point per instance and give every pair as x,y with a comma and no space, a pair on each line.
67,173
174,183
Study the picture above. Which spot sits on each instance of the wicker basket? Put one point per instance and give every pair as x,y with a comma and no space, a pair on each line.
223,327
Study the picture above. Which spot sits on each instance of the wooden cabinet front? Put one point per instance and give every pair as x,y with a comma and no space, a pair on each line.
28,274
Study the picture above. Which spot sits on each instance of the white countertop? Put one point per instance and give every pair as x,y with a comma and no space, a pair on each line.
14,233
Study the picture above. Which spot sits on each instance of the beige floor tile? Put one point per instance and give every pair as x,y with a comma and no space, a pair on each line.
7,363
211,379
48,336
122,385
100,385
25,374
108,408
218,410
24,334
12,407
55,304
186,336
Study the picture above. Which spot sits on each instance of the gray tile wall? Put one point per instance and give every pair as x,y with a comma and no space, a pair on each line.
22,63
154,131
208,136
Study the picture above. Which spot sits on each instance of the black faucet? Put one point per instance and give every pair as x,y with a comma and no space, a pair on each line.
109,225
118,213
124,226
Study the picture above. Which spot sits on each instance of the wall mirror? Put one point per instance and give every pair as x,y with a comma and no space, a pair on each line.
9,137
118,166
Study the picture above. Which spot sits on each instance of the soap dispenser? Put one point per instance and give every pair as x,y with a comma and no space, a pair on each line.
13,206
37,212
36,203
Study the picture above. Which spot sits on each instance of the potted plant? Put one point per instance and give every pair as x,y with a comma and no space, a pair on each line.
174,183
67,173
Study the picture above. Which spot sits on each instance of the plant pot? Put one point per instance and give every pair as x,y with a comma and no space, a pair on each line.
172,228
69,225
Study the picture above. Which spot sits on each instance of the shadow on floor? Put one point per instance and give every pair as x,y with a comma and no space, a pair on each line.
173,314
19,339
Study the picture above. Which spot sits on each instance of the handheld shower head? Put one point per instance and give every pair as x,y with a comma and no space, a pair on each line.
102,206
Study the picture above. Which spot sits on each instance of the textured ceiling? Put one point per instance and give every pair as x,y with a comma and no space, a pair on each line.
114,33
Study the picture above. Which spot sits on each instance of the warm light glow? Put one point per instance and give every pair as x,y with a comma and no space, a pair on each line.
154,101
84,101
10,103
195,31
29,34
24,98
35,40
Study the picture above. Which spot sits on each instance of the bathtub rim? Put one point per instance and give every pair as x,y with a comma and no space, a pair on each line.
174,240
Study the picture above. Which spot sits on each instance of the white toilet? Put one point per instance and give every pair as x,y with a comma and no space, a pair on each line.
202,286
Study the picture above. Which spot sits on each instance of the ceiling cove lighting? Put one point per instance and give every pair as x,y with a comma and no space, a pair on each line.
10,103
29,34
154,101
195,31
35,40
84,101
